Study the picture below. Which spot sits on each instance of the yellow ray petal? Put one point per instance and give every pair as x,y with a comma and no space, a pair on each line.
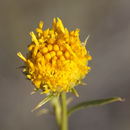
54,24
60,27
41,25
34,39
21,56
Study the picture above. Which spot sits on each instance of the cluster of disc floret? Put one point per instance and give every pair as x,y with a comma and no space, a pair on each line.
56,60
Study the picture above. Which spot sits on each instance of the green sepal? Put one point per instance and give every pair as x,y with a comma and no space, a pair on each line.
75,92
49,97
98,102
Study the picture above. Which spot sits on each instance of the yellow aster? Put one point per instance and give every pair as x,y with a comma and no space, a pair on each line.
56,60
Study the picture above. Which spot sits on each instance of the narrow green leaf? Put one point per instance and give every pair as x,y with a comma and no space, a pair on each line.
49,97
94,103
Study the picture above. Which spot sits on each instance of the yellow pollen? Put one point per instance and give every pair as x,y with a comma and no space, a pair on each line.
62,58
39,55
89,58
53,61
59,63
41,40
56,48
44,50
55,58
67,55
61,48
50,47
51,41
52,53
59,53
48,56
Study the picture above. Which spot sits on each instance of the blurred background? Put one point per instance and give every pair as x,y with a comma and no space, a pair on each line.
107,22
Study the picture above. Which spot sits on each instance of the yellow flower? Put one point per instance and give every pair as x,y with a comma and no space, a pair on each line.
56,60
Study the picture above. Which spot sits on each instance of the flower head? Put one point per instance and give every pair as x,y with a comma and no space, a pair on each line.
56,60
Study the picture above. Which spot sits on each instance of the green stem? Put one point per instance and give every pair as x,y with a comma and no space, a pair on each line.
57,109
64,121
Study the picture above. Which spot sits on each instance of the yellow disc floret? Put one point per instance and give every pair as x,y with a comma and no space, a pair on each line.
56,59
